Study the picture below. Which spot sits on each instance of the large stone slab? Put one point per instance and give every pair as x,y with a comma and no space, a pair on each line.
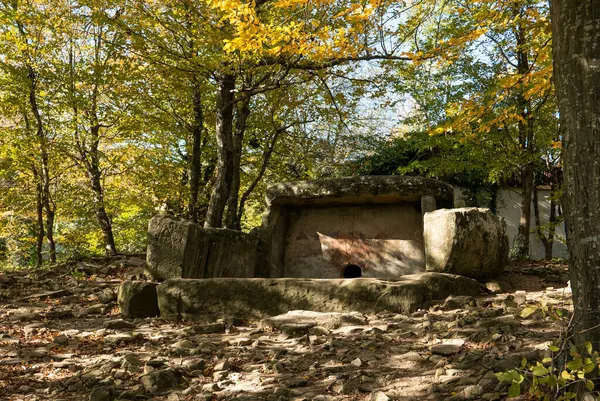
256,298
468,241
179,248
371,224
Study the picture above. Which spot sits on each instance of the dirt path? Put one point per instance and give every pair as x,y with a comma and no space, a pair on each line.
61,338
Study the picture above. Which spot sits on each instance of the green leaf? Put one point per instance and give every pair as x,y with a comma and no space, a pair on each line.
588,347
539,371
553,348
589,384
523,362
574,364
514,390
547,360
528,311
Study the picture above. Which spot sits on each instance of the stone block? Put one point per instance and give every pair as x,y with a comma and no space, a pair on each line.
138,299
255,298
181,249
173,247
471,242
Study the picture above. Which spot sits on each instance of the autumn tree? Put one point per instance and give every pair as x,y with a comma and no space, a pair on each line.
27,41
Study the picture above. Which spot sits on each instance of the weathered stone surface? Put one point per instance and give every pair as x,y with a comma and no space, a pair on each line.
179,248
447,348
300,321
138,299
317,229
205,299
173,247
362,189
160,381
468,241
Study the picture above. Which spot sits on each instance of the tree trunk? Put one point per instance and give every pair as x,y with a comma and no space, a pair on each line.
39,241
224,133
547,239
48,207
521,242
525,126
195,165
44,176
576,46
94,177
92,164
242,114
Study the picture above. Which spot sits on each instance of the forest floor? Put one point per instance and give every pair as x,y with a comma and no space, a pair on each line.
61,338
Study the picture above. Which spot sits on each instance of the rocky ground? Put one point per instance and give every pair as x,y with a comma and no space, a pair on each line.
61,338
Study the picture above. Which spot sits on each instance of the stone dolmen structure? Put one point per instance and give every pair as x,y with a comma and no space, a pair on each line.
317,239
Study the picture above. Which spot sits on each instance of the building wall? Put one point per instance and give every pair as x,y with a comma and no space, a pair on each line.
509,207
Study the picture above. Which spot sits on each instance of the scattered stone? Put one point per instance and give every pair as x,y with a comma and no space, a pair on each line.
209,328
458,302
61,339
100,394
194,364
300,321
223,365
379,396
48,294
412,356
520,297
118,324
448,348
356,362
493,287
160,381
472,391
107,296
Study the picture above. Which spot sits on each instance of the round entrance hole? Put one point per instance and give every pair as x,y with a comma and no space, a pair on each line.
352,271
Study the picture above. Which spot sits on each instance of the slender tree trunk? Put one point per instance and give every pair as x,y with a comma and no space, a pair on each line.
576,47
44,176
242,114
195,165
224,133
50,230
547,239
39,241
48,207
92,163
521,242
525,126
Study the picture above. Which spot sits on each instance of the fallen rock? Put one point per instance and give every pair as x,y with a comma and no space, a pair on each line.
300,321
471,242
106,296
458,302
138,299
100,394
379,396
118,324
447,348
160,381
